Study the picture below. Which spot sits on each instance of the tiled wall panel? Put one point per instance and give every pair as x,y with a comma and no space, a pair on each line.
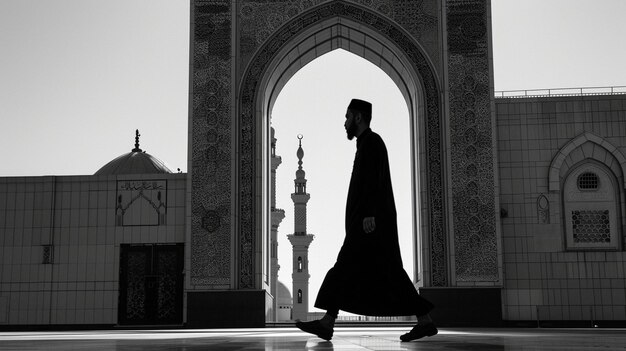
78,220
542,279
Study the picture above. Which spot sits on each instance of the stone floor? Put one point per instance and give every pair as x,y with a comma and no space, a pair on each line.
362,338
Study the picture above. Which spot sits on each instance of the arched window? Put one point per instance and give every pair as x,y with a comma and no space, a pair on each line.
588,181
299,295
591,210
299,264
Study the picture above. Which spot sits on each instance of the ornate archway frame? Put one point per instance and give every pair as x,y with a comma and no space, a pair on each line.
365,33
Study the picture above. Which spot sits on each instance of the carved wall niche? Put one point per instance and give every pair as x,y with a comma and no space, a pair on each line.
543,209
141,202
602,182
591,210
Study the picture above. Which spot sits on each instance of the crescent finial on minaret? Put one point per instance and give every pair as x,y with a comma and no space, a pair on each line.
300,152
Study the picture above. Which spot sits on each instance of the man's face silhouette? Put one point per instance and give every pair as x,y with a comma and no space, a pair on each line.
350,124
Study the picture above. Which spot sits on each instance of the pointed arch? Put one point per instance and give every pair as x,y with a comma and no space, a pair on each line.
585,146
339,24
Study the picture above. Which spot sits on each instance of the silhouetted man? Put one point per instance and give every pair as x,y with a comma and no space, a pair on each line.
368,277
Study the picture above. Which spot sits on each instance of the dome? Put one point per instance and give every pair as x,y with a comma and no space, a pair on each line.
283,294
134,162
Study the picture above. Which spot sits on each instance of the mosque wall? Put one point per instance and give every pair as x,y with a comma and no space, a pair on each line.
563,243
60,240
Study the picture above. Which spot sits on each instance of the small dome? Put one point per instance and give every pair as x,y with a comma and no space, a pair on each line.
134,162
283,294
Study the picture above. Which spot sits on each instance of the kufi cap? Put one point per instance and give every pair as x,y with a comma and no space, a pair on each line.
361,106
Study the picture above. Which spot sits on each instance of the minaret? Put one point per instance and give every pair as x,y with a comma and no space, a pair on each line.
277,217
300,241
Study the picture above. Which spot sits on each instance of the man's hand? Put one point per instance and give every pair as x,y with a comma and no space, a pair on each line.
369,224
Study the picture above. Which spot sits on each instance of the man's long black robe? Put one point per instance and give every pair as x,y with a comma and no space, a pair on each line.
368,277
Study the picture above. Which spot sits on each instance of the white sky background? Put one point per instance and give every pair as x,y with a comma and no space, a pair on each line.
77,77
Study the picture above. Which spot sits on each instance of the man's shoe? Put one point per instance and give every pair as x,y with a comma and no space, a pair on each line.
316,328
420,331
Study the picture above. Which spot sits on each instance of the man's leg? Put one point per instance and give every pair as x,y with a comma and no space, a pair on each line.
323,328
326,299
424,320
329,318
424,327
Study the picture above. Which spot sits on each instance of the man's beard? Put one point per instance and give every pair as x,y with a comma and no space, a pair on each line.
351,131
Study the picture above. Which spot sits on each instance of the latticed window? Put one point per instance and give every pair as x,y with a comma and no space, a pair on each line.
591,226
588,181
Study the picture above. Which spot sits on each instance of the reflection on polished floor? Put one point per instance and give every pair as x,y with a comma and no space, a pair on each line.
361,338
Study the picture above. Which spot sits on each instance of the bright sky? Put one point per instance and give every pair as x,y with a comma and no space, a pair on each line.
77,77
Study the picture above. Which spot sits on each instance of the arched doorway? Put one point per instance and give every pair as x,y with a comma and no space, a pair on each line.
364,33
438,52
313,104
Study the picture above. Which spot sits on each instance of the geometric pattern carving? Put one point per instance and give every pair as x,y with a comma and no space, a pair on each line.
591,226
421,20
300,219
475,241
151,284
217,252
260,19
211,149
135,286
167,308
211,221
247,123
